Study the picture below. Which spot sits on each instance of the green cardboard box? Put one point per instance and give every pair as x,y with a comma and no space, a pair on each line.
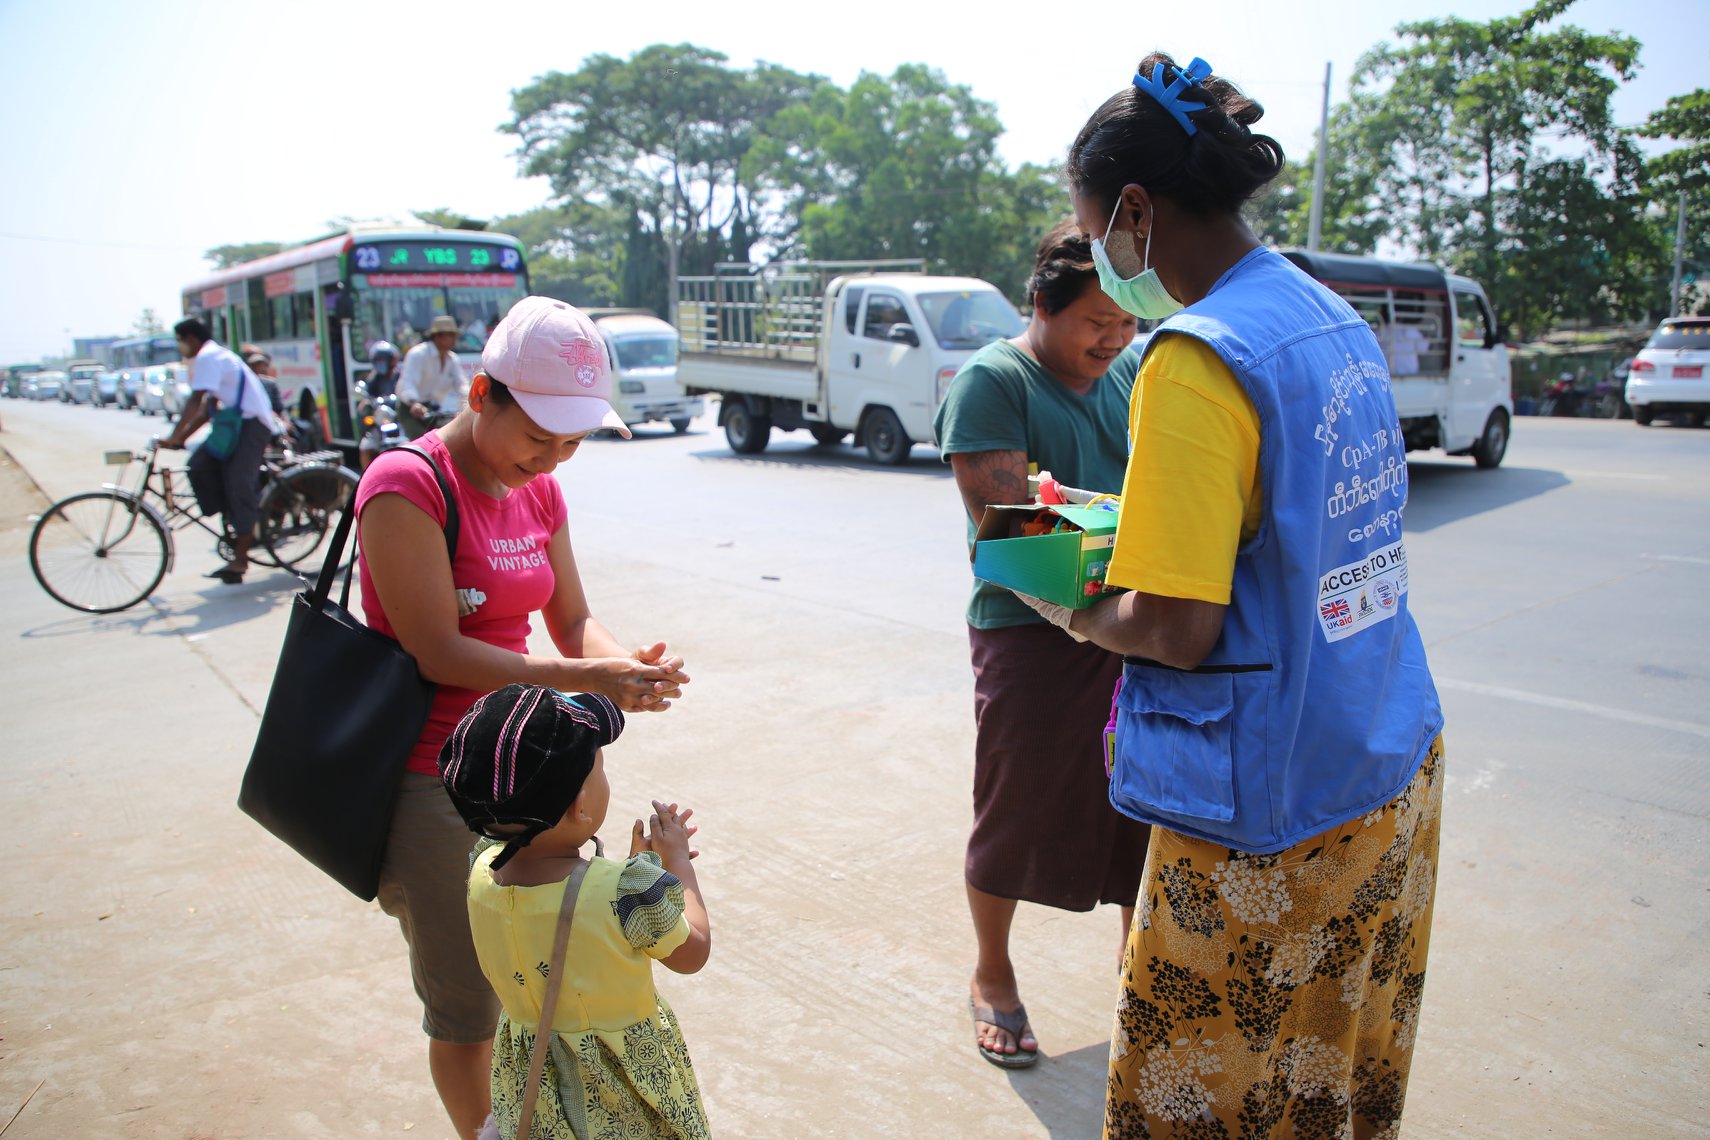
1067,568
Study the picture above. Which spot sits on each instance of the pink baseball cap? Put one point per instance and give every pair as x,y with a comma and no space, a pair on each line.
553,360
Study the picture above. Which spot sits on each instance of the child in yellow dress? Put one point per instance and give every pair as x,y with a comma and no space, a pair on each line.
526,770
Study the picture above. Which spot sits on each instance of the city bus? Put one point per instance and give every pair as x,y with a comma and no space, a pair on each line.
318,308
142,352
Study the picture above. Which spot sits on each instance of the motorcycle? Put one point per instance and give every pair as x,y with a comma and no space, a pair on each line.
379,417
1560,398
1604,400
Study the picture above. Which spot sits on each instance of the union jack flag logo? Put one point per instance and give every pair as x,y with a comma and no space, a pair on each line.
1335,611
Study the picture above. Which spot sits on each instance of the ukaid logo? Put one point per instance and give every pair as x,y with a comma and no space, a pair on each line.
1363,593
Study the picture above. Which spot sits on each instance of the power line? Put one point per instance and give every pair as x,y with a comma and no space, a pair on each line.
98,244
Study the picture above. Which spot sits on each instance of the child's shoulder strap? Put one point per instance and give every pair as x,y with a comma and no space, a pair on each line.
549,1004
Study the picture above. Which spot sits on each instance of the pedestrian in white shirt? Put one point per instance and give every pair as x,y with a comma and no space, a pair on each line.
430,383
225,471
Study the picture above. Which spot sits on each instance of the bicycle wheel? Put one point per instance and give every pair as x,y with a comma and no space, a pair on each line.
98,552
301,508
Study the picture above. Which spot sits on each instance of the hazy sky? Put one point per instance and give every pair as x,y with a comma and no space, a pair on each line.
136,135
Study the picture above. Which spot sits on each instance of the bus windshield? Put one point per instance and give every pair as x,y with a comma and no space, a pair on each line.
402,313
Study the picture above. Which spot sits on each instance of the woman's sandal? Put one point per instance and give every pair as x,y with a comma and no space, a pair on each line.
1013,1023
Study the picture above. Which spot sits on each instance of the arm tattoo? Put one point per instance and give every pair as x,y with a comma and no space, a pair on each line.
988,477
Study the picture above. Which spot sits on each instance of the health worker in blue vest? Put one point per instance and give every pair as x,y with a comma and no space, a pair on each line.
1277,724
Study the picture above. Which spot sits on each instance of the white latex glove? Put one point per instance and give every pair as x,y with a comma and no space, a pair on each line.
1057,615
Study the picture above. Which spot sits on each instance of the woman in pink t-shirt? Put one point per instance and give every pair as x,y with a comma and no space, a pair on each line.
542,388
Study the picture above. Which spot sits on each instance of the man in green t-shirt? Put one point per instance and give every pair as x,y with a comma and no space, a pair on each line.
1055,398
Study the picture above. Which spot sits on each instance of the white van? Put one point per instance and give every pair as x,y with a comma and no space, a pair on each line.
1448,367
641,351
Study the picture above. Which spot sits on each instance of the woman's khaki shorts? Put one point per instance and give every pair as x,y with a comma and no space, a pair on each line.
424,885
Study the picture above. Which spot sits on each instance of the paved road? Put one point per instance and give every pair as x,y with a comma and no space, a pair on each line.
166,969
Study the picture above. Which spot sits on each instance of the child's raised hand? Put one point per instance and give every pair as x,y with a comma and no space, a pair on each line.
671,832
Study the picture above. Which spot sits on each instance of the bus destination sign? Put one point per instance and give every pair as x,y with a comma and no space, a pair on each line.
433,257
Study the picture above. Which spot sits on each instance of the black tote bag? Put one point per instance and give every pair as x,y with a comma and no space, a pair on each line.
346,707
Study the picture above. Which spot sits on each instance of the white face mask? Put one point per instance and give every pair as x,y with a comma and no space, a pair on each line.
1139,292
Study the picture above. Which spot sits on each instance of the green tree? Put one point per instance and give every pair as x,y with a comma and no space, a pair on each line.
1580,233
1683,170
148,323
660,138
575,251
1282,216
449,219
1446,125
226,256
906,166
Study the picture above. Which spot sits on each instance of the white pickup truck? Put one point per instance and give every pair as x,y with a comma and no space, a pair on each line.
833,347
1449,369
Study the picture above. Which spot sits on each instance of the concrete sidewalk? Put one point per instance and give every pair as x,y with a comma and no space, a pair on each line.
171,970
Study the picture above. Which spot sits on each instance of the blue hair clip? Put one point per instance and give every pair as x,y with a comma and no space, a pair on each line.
1169,96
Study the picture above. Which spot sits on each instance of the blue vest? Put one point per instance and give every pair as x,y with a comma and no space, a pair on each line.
1316,705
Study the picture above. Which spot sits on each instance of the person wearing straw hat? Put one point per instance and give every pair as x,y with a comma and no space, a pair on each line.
430,384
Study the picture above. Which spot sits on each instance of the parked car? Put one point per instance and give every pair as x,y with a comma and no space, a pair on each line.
130,388
165,389
1667,376
46,385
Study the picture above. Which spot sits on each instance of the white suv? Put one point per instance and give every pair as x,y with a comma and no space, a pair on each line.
1668,376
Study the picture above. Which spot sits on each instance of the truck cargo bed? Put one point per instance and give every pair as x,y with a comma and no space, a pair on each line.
703,373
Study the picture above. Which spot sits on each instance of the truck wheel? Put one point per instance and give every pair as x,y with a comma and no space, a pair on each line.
747,433
886,441
680,424
1492,444
827,436
1642,415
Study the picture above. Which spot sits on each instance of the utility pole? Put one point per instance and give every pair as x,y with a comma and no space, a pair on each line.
672,252
1315,229
1674,305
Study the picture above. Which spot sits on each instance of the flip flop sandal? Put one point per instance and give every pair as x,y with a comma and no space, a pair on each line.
1012,1023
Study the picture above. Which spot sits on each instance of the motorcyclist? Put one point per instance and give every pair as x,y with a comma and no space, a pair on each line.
381,384
384,356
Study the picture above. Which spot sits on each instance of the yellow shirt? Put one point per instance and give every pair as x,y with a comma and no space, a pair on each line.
1190,497
608,976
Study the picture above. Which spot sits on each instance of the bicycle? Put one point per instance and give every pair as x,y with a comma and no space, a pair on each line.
105,551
